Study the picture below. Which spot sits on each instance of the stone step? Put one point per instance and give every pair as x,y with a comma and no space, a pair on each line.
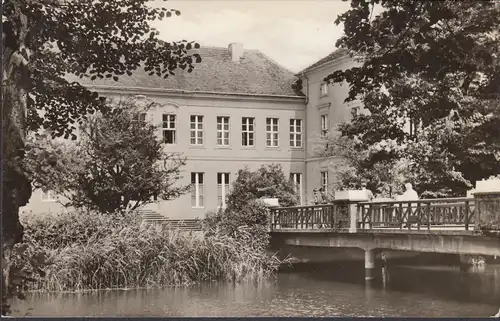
151,216
158,216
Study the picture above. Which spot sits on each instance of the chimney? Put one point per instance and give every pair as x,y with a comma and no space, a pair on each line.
236,51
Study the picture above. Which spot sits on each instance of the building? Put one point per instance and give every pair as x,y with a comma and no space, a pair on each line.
237,108
325,110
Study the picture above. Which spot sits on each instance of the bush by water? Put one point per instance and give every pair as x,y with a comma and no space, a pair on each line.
86,250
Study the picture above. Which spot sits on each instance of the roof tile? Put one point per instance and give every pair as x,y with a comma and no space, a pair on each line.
254,74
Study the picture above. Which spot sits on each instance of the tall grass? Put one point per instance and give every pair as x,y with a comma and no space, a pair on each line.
87,251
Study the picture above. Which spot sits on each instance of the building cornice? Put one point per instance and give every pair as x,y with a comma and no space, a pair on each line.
194,94
323,105
309,159
331,63
291,159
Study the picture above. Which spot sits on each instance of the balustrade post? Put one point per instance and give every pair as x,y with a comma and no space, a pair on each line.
400,216
487,207
270,219
466,215
419,216
334,218
352,198
271,204
352,208
428,216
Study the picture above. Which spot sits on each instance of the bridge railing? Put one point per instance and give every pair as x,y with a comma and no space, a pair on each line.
443,213
421,214
327,216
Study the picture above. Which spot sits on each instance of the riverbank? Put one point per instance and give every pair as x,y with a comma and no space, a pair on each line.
335,290
89,251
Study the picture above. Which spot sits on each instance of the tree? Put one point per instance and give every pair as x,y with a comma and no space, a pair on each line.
268,180
243,205
385,175
436,64
52,163
42,42
118,164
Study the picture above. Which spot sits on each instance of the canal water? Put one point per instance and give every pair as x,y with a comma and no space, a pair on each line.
412,287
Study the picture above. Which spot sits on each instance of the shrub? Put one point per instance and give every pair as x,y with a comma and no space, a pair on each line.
269,181
244,209
245,212
86,250
253,215
78,227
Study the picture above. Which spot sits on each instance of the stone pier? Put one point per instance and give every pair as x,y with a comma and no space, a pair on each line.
487,200
369,264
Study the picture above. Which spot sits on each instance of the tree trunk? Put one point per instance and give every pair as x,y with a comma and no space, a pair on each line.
16,187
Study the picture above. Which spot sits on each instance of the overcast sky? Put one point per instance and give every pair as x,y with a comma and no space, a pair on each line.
295,33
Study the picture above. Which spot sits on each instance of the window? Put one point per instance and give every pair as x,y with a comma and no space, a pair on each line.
196,130
168,129
47,195
324,181
197,191
222,188
323,89
355,111
140,117
223,131
296,178
324,125
295,132
413,126
272,132
247,131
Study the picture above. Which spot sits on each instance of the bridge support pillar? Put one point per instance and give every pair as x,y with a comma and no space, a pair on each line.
369,264
465,262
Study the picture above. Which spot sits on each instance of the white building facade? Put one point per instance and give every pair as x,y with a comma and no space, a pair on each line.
236,109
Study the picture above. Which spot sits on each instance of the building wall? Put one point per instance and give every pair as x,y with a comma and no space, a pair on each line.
181,207
38,204
209,158
332,104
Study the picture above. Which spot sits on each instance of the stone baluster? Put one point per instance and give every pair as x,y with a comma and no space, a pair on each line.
353,198
270,203
487,207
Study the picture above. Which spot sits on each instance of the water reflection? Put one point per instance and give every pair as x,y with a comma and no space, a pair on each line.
331,290
370,291
385,277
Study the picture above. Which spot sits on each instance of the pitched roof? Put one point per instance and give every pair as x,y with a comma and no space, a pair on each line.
255,73
334,55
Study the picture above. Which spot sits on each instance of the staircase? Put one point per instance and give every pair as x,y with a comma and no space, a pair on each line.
185,225
152,217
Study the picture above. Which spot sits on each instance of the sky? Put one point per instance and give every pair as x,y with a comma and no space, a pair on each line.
294,33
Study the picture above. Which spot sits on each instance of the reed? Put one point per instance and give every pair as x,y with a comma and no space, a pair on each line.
89,251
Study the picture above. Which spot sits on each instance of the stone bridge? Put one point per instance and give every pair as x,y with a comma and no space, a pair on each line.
464,226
